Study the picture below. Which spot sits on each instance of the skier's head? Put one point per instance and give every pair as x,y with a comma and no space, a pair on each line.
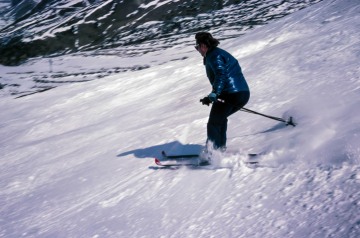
207,39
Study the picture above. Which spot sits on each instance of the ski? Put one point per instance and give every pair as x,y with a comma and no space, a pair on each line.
161,164
191,160
184,156
181,163
181,160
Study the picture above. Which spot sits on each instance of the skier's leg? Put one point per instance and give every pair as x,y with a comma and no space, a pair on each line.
223,135
217,124
238,100
234,103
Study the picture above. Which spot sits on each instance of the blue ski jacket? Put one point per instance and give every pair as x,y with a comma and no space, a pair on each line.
224,72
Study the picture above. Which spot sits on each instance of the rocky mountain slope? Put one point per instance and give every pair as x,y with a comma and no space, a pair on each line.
35,28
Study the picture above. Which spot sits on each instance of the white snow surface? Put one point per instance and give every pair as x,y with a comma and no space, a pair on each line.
77,161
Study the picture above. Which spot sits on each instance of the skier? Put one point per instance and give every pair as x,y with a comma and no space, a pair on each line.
230,92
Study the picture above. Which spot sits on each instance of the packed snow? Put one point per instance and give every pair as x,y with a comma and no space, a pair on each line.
78,160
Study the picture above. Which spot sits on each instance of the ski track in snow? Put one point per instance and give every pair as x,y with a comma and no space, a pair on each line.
77,161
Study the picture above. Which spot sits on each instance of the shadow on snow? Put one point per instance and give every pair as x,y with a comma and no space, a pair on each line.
174,147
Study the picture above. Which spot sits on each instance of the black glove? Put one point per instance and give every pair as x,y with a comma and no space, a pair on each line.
206,101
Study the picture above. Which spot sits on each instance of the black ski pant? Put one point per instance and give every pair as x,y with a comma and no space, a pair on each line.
220,111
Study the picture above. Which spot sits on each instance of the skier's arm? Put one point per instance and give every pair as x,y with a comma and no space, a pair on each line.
218,66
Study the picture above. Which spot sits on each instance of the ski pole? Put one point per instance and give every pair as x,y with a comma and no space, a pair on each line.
287,122
290,121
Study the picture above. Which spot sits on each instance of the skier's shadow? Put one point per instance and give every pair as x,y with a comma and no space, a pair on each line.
277,127
174,147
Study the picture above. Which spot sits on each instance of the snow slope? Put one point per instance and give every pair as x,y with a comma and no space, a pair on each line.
77,161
